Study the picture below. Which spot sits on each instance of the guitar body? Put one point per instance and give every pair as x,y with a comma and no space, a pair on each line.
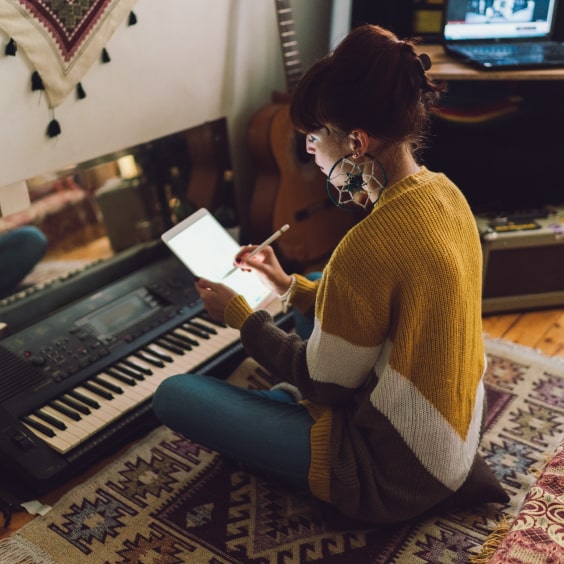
290,188
316,224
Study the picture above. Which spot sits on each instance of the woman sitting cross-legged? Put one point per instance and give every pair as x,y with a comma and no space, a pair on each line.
386,417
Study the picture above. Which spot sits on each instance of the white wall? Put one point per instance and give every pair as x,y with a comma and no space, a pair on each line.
184,63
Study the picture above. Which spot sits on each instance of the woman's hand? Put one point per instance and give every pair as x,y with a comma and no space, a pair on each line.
266,265
215,297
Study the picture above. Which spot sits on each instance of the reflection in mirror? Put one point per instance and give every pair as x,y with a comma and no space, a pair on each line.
95,210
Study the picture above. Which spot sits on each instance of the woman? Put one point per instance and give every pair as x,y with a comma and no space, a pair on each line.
391,376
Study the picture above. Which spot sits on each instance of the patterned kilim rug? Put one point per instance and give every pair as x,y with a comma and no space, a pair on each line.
170,500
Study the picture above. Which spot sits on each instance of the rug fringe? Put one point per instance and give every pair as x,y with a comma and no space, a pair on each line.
530,353
17,550
492,542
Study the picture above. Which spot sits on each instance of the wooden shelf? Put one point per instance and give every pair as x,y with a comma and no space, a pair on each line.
445,67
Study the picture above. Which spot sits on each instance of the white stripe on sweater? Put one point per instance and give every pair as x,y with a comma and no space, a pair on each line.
334,360
443,453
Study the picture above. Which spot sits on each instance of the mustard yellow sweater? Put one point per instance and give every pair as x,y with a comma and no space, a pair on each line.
392,373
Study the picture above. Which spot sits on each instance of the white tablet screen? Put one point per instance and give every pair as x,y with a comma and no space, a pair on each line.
208,250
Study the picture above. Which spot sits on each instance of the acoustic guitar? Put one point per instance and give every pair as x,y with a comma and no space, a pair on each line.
289,187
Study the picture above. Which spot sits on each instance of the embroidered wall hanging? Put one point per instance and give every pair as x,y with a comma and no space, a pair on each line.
61,39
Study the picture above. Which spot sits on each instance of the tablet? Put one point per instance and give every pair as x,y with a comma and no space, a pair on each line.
208,250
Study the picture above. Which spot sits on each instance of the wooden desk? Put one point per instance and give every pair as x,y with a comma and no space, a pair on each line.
445,67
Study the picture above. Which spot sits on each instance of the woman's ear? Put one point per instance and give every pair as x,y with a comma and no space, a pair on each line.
359,140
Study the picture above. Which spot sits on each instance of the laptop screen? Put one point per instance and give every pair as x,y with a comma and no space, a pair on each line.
498,19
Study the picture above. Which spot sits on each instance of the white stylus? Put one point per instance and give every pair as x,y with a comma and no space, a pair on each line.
264,244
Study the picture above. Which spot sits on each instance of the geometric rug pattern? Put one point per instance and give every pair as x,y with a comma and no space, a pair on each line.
170,500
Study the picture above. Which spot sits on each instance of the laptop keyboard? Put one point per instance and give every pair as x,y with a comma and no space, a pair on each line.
541,51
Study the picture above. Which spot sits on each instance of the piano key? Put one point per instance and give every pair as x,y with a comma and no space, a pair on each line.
125,370
162,342
110,410
75,415
122,377
195,331
84,399
107,407
78,429
75,432
131,393
136,365
73,404
38,426
203,326
158,353
48,418
177,341
182,335
107,384
61,443
144,355
103,394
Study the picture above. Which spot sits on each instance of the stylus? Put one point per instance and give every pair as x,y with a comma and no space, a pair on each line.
268,241
262,246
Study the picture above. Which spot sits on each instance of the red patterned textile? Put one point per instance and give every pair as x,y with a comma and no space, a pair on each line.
537,533
62,38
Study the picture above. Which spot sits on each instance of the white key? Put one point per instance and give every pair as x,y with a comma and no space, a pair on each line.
133,396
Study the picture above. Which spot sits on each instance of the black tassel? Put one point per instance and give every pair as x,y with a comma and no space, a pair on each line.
11,47
105,56
53,129
80,93
132,18
36,82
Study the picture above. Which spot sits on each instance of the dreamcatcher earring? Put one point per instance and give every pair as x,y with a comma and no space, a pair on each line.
351,179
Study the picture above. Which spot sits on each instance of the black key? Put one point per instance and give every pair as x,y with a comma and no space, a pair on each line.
137,374
159,355
122,377
84,399
170,338
50,419
65,411
203,327
195,331
98,391
151,360
135,366
188,340
108,385
162,342
47,431
75,405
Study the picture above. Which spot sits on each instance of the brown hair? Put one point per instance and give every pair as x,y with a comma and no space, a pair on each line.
371,81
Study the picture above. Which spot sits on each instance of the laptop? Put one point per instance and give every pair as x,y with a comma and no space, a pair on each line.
502,34
207,249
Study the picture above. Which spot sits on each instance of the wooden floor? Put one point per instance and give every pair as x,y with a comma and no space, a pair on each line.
542,330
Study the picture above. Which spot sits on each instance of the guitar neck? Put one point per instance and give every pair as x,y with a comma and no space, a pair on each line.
288,44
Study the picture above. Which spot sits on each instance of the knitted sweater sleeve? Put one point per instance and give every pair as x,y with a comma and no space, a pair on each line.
330,366
280,352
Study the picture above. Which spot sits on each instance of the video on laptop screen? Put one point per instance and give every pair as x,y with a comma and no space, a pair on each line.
503,19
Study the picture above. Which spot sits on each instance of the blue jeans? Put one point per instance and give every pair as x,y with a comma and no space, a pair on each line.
264,429
20,250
